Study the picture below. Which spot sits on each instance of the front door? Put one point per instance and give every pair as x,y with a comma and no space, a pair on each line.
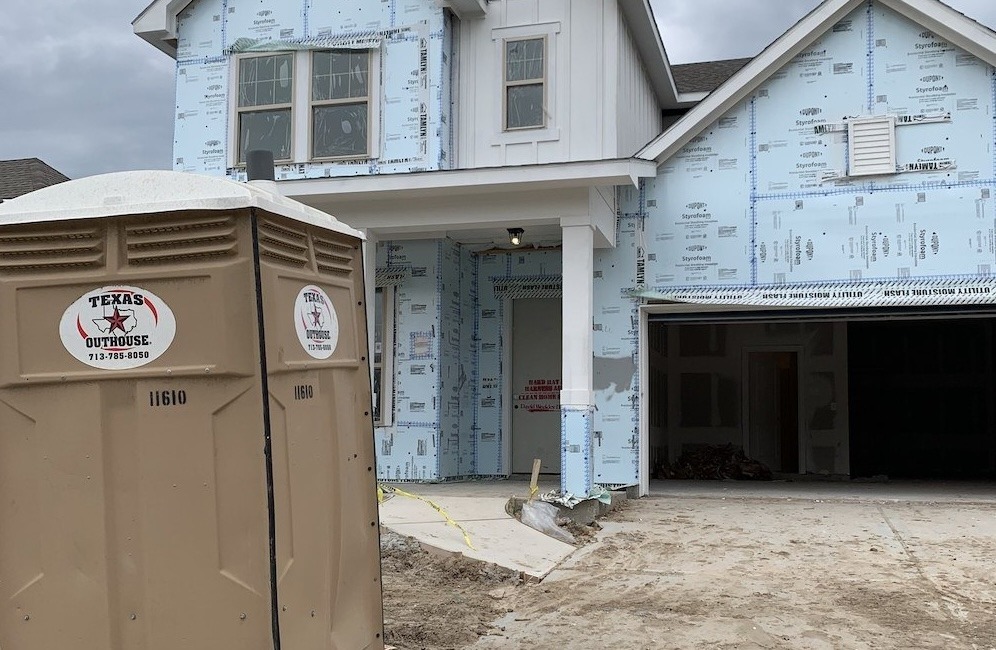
773,409
536,364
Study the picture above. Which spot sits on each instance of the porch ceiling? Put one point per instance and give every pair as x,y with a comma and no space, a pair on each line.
534,236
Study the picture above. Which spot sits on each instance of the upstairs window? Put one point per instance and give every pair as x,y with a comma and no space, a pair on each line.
525,83
340,104
266,92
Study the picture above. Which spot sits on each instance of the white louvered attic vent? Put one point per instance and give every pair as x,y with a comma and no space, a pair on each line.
872,145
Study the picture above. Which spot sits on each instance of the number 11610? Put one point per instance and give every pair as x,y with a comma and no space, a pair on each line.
167,397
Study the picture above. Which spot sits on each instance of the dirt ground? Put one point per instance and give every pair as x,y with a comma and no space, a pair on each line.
723,572
438,601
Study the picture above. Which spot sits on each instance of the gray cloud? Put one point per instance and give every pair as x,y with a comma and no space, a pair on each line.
710,30
79,90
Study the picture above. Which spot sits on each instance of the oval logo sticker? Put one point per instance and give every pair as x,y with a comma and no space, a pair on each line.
316,322
117,328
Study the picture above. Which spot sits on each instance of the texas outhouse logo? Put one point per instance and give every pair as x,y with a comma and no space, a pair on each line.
316,322
117,328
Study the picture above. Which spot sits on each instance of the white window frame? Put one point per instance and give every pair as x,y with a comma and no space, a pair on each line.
313,103
386,397
236,136
301,138
506,84
550,132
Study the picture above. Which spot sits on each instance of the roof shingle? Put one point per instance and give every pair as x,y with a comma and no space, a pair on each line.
706,76
25,175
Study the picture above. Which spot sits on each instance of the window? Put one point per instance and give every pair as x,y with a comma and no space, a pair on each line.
266,91
383,356
306,105
340,104
525,60
525,83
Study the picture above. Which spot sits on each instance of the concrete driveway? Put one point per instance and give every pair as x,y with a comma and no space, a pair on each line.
774,565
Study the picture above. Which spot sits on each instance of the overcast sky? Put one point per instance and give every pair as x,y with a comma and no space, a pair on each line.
80,91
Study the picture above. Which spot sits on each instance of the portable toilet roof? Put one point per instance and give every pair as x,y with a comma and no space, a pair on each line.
155,192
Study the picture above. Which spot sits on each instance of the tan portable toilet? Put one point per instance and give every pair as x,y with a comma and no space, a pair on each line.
186,444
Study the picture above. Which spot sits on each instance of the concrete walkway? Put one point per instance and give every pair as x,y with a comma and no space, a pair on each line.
479,508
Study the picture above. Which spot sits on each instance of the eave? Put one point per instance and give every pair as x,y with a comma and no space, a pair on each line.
157,24
466,8
468,182
639,16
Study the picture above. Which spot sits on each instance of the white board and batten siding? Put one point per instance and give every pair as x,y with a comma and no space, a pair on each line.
638,112
599,102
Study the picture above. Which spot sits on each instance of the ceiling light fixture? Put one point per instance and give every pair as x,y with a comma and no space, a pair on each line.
515,236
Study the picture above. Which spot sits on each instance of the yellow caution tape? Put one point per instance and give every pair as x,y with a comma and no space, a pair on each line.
381,489
533,491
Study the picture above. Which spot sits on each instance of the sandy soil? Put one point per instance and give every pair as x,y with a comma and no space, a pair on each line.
438,601
691,572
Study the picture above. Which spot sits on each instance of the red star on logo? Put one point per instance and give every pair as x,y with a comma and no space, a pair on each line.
316,316
117,321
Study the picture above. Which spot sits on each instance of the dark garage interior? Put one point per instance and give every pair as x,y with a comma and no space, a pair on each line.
865,393
922,398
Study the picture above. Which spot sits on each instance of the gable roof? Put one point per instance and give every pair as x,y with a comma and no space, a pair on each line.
955,27
25,175
705,76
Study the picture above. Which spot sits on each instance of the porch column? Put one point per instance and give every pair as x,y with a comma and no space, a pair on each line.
576,399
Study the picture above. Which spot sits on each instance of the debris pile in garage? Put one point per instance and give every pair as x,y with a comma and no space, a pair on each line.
714,463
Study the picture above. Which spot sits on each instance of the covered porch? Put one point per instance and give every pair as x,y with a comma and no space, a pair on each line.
482,348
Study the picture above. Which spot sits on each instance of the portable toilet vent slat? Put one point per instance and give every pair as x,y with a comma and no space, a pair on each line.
186,443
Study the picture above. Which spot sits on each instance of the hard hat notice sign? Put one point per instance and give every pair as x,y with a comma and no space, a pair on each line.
316,322
117,328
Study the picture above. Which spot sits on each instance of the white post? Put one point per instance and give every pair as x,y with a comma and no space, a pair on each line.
576,398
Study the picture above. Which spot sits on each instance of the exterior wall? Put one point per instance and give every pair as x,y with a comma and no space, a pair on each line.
459,294
638,113
450,417
582,76
616,437
757,206
498,276
411,37
409,450
789,227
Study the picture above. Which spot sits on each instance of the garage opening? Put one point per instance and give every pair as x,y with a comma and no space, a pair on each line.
864,394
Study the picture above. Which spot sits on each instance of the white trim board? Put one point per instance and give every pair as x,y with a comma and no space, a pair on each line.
597,173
